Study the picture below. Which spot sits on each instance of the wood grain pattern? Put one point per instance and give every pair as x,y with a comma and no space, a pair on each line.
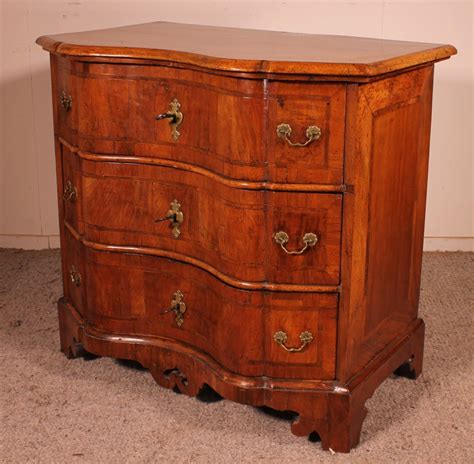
246,50
228,125
333,410
234,183
120,202
74,273
386,169
245,285
295,314
127,294
72,175
303,105
361,188
64,80
222,125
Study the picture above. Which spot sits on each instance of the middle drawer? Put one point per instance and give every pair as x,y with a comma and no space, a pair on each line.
241,235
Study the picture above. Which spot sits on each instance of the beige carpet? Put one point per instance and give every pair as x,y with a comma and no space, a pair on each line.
100,411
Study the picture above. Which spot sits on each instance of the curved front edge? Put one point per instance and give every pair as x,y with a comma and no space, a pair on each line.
158,352
157,298
226,230
333,411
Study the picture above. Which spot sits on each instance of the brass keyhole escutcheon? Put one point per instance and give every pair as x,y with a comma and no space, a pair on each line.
75,276
175,116
70,192
178,307
175,216
66,101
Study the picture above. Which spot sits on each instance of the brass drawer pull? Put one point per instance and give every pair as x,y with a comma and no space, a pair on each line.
75,276
175,116
281,337
175,216
70,192
312,133
282,238
178,306
66,101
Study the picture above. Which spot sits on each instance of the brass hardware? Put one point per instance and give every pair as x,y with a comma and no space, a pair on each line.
178,306
312,133
175,216
175,116
70,192
282,238
75,276
66,101
281,337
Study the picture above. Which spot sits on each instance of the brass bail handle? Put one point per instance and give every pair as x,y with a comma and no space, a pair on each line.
309,240
281,338
175,116
312,133
175,216
177,306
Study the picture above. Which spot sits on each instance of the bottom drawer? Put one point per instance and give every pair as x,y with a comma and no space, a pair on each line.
300,339
252,333
143,295
74,272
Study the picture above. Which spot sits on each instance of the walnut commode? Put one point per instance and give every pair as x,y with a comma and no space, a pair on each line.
244,210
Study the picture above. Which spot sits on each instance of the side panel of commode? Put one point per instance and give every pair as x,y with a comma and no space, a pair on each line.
386,167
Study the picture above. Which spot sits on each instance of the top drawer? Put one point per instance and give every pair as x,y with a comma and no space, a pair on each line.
306,132
227,125
64,98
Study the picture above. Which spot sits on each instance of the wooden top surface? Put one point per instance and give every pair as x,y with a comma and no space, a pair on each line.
248,50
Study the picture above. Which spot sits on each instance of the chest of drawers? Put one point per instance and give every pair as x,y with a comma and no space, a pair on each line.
244,210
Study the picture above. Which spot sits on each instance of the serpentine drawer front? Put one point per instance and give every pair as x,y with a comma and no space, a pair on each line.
163,298
235,231
224,125
244,210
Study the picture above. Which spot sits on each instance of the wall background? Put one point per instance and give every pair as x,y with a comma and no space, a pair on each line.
28,211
